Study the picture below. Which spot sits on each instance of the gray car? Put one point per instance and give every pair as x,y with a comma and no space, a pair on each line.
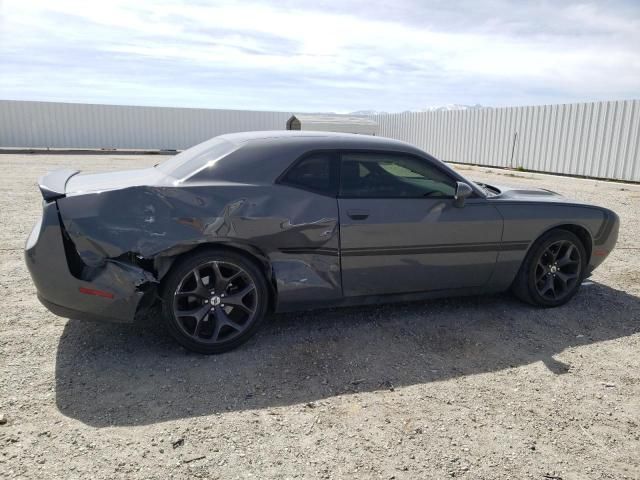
250,223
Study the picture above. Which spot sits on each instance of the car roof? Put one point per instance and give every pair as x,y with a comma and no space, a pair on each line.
311,137
261,157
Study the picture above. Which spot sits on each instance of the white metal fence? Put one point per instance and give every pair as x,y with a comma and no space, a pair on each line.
74,125
591,139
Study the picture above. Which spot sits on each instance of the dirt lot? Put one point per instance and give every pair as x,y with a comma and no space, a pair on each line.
473,388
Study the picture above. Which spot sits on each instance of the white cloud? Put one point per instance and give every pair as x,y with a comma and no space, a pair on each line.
329,59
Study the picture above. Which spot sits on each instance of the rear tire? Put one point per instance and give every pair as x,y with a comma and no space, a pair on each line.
552,271
214,300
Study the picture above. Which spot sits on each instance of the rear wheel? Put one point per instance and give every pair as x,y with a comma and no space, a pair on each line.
553,270
214,301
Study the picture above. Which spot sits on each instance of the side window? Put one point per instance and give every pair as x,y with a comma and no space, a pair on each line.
316,172
392,175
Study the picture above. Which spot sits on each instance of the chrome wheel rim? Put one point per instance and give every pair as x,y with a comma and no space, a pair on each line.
558,270
215,302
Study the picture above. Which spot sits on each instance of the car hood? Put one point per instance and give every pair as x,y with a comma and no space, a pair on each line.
523,194
99,182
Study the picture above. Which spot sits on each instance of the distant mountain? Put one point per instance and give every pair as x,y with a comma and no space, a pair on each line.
451,107
366,112
439,108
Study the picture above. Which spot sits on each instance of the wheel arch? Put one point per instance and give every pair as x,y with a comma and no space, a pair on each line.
165,263
578,230
520,284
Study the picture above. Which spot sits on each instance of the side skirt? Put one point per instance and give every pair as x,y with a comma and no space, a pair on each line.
386,299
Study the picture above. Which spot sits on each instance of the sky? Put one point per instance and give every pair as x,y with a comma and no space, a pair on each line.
319,56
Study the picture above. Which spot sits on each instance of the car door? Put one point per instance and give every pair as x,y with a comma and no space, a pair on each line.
400,231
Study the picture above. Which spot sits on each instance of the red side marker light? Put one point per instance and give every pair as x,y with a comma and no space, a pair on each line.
600,253
97,293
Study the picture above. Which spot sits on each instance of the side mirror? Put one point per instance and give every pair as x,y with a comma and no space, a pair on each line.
462,191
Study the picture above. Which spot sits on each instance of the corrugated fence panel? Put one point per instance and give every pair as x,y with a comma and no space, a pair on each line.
68,125
600,139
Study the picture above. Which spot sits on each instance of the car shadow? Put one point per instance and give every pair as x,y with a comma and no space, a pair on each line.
110,374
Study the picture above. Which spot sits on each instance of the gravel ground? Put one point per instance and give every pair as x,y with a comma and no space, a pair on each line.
481,387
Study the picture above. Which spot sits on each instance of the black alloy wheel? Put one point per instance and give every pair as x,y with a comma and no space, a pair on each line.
214,301
558,269
553,269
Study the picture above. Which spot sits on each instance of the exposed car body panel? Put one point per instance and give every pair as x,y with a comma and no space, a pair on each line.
294,230
120,232
59,289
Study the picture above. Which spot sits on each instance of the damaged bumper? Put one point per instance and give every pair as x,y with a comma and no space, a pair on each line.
115,291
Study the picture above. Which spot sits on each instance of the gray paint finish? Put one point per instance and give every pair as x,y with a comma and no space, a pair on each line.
414,245
121,232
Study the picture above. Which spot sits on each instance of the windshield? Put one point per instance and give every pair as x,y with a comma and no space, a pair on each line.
190,161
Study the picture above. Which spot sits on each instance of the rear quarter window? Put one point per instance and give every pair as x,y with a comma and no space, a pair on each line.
190,161
316,172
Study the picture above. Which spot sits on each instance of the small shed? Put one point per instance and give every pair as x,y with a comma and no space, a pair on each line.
333,123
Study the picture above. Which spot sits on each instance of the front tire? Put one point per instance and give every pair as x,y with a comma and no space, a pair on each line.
214,300
553,270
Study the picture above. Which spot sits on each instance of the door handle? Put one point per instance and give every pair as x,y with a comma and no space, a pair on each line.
358,214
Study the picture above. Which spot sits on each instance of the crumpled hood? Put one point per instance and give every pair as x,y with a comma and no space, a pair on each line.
99,182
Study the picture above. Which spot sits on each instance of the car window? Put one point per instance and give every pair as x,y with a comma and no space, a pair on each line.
392,175
314,172
195,158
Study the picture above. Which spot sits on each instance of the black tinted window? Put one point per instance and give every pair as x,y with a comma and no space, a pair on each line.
390,175
316,172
